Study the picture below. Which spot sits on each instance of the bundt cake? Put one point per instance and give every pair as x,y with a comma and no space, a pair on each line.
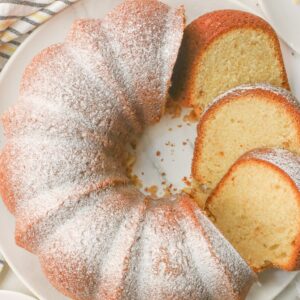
242,119
63,176
257,207
224,49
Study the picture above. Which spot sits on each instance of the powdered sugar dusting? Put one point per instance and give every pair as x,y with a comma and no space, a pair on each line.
239,90
283,159
63,174
165,267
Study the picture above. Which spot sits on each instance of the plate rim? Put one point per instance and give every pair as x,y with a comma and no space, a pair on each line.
8,292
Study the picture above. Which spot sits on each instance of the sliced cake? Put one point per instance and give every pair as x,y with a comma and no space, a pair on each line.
257,207
224,49
238,121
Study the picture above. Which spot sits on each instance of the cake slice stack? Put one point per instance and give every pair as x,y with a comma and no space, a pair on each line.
246,167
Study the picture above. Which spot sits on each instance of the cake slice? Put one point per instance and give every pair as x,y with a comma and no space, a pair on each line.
238,121
257,207
224,49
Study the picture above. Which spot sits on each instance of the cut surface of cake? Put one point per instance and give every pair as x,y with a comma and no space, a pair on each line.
224,49
257,207
242,119
63,177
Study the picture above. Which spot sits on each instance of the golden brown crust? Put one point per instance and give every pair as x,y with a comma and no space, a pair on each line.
293,110
201,33
294,262
6,190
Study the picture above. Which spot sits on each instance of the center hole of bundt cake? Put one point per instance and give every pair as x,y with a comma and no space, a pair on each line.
160,162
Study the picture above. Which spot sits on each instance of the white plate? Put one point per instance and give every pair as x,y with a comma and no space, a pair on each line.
8,295
25,265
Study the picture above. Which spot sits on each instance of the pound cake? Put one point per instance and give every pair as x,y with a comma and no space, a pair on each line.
224,49
242,119
257,207
63,176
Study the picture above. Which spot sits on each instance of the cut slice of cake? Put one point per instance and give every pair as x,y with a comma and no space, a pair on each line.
224,49
238,121
257,207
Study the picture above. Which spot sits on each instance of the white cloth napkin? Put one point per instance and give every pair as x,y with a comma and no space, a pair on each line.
18,18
